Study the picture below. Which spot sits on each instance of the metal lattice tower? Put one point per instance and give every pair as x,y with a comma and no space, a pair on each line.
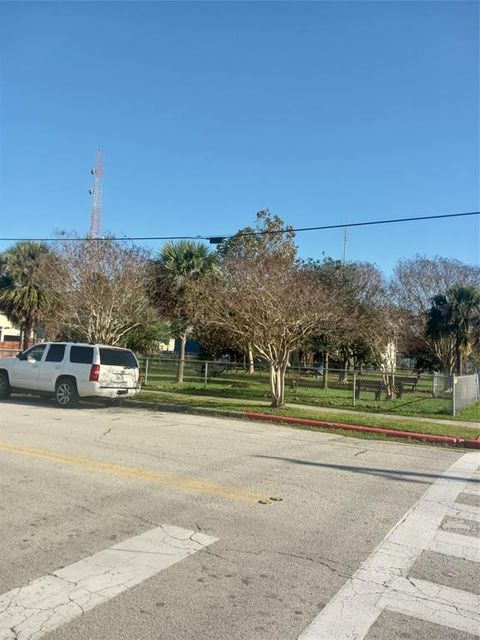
97,197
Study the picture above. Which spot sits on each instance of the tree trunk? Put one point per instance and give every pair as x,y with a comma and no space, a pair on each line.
277,384
345,359
27,330
389,382
458,358
391,385
325,372
342,376
181,359
251,365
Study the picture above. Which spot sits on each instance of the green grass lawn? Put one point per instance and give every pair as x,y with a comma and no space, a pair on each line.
237,385
470,413
196,401
240,386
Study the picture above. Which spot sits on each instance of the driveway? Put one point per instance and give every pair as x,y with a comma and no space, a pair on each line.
126,524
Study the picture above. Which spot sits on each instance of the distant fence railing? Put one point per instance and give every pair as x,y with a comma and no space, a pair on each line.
405,391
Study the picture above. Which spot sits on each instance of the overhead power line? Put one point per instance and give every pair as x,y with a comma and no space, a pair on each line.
217,238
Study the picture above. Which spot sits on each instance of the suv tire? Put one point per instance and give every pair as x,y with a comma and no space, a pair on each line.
5,389
66,394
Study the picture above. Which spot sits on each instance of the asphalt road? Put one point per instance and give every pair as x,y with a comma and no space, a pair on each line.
75,483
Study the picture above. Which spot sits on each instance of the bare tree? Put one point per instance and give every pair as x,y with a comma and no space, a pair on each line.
248,242
99,288
263,297
414,285
417,280
382,333
360,299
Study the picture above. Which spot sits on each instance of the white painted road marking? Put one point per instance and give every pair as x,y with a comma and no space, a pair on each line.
473,491
455,544
29,612
465,512
434,603
354,609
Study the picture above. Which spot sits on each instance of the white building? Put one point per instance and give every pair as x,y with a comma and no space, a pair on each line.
7,332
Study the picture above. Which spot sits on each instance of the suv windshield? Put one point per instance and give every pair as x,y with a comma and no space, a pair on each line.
118,358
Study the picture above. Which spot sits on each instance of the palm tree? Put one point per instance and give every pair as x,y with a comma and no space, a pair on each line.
23,294
457,315
179,264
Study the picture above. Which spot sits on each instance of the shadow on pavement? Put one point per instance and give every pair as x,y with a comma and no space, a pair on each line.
392,474
44,401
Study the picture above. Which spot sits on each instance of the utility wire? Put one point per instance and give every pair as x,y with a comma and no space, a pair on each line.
215,239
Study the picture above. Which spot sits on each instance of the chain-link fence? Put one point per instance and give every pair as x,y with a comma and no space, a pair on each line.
465,392
406,391
162,370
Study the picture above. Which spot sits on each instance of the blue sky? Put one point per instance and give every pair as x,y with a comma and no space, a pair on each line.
323,112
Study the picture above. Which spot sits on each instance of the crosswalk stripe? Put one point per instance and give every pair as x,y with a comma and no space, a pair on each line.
464,511
357,605
457,545
472,490
38,608
434,603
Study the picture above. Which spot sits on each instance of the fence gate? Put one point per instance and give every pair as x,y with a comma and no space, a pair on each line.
465,392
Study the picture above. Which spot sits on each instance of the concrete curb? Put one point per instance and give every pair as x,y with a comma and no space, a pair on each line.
250,415
392,433
179,408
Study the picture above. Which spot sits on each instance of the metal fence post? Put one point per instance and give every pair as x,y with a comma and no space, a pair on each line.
146,370
454,382
206,374
354,388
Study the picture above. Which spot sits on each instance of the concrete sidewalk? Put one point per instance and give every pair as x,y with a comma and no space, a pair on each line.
390,416
387,416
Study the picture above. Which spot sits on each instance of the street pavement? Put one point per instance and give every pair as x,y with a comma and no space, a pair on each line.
132,524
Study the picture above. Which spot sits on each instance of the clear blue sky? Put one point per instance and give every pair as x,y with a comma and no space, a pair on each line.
324,112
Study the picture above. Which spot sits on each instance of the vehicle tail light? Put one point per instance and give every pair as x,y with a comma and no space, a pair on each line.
94,373
139,377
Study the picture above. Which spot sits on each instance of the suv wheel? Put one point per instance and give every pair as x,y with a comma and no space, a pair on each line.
66,393
4,385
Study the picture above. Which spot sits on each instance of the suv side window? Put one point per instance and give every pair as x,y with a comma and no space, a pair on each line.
56,353
81,355
118,358
36,352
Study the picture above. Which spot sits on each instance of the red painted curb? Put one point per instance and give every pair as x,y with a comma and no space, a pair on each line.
425,437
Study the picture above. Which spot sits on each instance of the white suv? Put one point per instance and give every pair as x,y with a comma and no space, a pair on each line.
71,370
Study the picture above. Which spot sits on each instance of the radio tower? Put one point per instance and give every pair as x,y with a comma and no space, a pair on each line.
97,197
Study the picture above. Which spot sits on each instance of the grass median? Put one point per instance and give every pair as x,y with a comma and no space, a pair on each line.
192,403
233,386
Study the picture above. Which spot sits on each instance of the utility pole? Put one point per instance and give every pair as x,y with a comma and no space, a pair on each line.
97,197
345,238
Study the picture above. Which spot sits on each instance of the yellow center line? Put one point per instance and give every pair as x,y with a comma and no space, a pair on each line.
157,477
